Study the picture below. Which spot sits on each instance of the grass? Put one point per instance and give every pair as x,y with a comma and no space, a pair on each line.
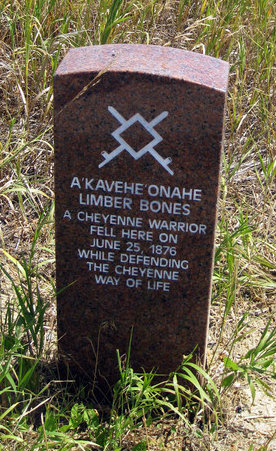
41,411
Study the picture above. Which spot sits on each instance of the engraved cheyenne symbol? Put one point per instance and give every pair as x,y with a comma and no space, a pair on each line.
149,126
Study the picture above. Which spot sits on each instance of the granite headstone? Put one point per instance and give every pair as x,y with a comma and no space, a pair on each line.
138,137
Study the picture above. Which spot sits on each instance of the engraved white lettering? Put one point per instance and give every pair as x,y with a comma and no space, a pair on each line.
106,280
157,206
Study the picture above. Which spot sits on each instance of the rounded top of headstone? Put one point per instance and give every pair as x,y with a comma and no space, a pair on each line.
154,60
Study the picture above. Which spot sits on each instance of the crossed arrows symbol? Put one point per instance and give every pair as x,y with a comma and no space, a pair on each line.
149,126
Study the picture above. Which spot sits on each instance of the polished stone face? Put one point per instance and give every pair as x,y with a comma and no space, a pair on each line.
138,136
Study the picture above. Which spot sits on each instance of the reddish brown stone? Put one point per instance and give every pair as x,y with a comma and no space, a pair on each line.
175,98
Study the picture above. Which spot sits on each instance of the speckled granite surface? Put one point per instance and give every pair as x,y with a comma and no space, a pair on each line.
138,135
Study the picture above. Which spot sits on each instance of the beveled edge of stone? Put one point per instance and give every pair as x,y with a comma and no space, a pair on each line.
155,60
